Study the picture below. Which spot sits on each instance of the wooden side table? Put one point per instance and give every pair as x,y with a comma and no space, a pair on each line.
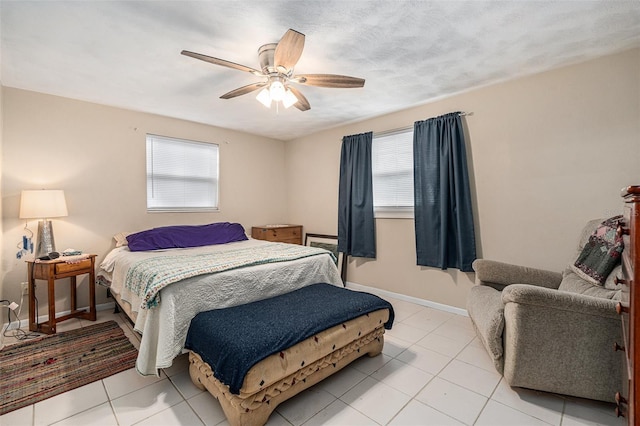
52,270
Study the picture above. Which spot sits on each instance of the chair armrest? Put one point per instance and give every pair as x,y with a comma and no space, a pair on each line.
499,275
561,342
560,300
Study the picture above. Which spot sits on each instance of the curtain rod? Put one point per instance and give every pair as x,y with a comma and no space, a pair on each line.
407,128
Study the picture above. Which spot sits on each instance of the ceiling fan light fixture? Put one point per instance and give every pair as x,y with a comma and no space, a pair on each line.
277,62
289,99
277,90
264,97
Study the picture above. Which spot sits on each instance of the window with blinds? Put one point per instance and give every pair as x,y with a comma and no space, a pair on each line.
392,170
182,175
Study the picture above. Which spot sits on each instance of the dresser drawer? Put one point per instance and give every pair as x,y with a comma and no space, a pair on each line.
282,233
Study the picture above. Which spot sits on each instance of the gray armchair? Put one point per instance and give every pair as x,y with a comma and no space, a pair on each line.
549,331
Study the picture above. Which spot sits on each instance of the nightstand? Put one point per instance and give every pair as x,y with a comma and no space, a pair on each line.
278,233
52,270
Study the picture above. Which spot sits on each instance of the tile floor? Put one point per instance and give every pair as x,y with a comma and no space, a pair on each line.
432,371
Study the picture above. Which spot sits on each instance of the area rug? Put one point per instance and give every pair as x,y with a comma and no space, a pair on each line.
41,368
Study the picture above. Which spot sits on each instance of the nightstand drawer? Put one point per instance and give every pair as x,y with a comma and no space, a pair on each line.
282,233
63,268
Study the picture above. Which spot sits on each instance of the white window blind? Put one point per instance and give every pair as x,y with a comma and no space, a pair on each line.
392,169
182,175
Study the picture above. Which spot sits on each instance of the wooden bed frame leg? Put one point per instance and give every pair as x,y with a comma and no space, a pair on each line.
377,349
116,307
258,417
193,373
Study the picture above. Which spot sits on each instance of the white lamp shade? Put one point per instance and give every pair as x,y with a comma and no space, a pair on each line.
276,90
289,98
42,204
264,97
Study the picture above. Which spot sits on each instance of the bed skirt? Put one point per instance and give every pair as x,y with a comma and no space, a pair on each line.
123,306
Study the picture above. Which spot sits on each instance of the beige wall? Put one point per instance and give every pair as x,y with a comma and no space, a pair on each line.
96,154
546,153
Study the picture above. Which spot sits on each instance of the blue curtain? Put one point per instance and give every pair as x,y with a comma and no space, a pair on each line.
443,215
356,232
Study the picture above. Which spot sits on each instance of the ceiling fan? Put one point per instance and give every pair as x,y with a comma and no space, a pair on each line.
277,61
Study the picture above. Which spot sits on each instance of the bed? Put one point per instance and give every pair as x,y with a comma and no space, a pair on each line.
163,318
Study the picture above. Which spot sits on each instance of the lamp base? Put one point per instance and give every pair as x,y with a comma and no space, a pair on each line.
46,243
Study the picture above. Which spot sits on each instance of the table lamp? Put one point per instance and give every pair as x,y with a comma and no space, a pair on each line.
43,204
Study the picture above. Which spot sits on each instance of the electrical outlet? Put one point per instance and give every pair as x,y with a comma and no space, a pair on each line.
25,288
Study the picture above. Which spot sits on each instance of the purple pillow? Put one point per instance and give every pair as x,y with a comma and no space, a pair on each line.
181,236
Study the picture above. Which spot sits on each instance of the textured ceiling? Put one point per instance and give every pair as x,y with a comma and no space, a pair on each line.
127,53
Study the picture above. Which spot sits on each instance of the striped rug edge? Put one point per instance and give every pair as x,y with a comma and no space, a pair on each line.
38,369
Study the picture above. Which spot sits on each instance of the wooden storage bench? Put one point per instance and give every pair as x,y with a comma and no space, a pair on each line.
287,371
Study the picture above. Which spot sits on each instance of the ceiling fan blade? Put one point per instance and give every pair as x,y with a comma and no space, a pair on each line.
328,80
303,103
288,50
243,90
222,62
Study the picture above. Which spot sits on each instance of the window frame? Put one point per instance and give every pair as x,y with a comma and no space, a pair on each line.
392,212
183,209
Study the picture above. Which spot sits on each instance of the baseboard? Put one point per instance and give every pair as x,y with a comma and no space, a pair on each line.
354,286
416,300
42,318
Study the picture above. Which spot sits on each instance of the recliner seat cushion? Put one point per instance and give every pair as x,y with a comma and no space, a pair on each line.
486,310
573,283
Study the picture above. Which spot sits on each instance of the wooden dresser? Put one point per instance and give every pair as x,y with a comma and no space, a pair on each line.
629,307
278,233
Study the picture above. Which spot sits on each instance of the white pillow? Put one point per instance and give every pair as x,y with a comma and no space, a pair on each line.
121,239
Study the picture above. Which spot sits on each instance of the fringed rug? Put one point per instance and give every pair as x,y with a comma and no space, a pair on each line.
39,369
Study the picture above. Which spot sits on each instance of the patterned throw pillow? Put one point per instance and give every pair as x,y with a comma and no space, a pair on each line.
601,253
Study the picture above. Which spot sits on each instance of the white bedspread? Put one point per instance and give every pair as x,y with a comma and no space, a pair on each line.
164,328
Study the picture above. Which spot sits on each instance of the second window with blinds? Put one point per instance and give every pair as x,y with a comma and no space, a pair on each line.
182,175
392,170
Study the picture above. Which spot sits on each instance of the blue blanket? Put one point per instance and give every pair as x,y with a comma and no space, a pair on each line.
232,340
